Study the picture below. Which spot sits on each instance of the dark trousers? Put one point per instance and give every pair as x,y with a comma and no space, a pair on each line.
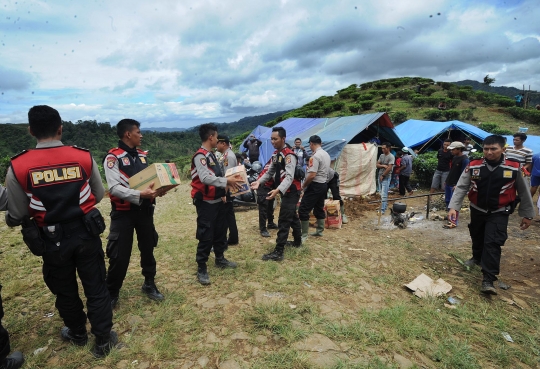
211,230
78,252
404,184
120,244
266,207
313,199
288,219
333,185
4,337
231,223
488,234
253,158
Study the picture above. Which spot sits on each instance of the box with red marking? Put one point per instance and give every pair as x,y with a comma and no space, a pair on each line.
164,175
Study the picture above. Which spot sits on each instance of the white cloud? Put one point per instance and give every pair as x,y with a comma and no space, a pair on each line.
222,60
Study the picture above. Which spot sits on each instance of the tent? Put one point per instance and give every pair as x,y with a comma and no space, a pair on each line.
428,135
257,132
347,141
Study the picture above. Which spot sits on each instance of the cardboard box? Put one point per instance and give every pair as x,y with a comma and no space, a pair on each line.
164,175
333,214
239,172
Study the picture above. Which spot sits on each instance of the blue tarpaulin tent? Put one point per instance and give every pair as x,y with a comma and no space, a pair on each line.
257,132
424,135
335,133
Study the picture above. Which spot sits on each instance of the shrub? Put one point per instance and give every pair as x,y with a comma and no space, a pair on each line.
433,114
328,108
363,97
355,95
489,127
405,94
365,86
398,117
383,93
453,93
344,94
505,102
338,105
451,114
355,108
464,94
384,109
466,87
528,115
428,91
502,131
445,85
467,114
452,103
418,101
381,84
367,104
433,101
424,166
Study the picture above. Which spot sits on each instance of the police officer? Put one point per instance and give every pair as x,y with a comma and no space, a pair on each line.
59,186
208,189
227,161
16,359
282,171
333,186
266,207
315,188
491,184
131,210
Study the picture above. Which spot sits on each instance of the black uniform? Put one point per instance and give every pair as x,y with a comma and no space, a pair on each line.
4,337
333,186
266,207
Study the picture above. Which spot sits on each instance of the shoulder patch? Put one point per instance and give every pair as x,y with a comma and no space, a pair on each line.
110,161
311,161
288,159
203,161
143,159
125,161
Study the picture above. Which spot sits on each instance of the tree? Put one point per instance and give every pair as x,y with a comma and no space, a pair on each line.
488,80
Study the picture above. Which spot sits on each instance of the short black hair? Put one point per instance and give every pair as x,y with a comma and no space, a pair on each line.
521,135
399,153
281,131
44,121
494,140
239,157
448,140
244,155
224,138
126,125
387,144
207,130
315,139
297,139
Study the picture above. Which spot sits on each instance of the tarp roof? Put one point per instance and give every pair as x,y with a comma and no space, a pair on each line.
257,132
415,133
532,142
335,133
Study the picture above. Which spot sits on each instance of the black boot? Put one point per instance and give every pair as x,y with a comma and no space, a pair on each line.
76,336
150,289
471,262
272,225
114,302
202,275
13,361
223,263
276,255
264,233
104,344
487,287
297,243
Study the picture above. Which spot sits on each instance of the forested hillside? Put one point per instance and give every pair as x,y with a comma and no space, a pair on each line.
501,90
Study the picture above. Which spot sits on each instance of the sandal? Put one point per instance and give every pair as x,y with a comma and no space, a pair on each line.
449,225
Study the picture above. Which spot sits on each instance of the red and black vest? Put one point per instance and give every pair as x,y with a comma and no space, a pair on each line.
128,167
56,179
279,159
198,189
492,190
270,182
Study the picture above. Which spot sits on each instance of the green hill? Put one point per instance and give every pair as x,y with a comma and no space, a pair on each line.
417,98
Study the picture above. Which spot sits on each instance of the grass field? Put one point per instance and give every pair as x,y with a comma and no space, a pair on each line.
338,302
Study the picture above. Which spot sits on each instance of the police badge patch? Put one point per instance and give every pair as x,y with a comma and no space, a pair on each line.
143,159
111,160
507,174
311,162
476,172
203,161
226,162
125,161
288,159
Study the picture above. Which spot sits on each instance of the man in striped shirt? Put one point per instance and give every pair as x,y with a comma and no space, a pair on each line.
519,152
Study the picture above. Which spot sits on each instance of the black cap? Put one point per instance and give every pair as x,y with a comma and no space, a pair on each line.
223,138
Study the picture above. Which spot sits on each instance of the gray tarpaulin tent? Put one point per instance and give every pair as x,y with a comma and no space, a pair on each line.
347,141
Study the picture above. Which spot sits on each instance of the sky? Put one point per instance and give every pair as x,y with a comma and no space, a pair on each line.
183,63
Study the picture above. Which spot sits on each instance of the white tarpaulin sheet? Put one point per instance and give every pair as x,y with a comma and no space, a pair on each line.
356,167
